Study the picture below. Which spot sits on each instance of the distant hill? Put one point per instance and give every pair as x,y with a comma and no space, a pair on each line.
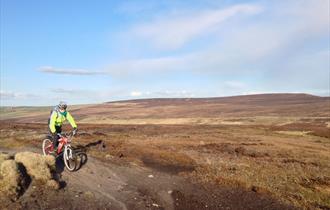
290,105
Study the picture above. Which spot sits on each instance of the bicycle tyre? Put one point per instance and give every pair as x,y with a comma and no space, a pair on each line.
69,158
47,146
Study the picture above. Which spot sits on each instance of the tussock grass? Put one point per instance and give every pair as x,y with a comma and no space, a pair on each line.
254,156
16,174
10,179
38,166
4,157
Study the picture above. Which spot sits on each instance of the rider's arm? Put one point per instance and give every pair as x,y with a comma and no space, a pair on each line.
52,122
71,120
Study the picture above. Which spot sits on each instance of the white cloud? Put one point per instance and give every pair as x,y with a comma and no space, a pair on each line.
209,60
163,93
136,93
249,47
174,32
312,16
256,92
275,52
67,91
7,95
280,35
98,95
53,70
69,94
145,65
15,95
242,47
234,84
168,93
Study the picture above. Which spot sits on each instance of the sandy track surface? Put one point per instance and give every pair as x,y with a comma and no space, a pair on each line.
134,187
117,185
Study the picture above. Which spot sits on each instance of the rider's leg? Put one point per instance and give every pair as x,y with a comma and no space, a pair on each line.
56,137
53,137
55,140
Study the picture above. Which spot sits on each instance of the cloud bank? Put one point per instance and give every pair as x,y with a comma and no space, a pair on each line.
244,48
174,32
53,70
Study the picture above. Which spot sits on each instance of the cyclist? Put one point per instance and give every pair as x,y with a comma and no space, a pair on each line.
58,115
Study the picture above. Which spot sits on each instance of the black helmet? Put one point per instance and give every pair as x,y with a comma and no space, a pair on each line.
62,105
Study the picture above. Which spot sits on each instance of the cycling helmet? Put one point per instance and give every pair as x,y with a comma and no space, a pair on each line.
62,105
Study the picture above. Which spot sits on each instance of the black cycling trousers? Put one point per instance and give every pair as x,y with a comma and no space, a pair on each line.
58,129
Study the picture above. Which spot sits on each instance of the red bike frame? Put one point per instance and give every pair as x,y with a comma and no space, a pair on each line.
62,141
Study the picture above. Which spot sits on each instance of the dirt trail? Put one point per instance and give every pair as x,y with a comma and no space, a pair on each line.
115,185
125,187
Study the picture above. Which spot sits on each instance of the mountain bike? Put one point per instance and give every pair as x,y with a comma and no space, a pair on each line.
64,148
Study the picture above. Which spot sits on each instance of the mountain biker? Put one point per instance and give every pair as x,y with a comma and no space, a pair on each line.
58,115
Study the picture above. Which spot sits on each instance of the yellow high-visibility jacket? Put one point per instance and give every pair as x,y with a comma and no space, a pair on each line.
57,118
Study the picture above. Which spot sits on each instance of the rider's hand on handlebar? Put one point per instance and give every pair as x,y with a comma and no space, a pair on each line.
74,132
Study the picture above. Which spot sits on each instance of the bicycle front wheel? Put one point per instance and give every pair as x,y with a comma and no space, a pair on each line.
70,158
47,146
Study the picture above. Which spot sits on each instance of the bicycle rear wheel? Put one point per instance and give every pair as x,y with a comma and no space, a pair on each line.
70,158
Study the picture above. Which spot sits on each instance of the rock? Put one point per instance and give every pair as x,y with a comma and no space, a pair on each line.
254,188
151,176
155,204
258,189
108,156
88,194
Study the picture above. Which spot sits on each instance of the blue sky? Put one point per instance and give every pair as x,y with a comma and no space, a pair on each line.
98,51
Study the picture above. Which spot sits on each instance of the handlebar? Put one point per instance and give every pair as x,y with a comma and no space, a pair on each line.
67,135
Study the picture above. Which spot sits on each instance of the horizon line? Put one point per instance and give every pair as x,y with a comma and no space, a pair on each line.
141,98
